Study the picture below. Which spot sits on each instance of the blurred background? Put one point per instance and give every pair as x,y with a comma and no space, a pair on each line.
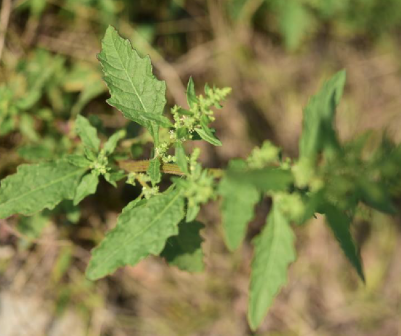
274,54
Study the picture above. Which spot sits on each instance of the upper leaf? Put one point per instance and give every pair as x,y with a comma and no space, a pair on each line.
36,187
237,209
339,223
319,115
87,133
274,251
134,90
184,250
141,230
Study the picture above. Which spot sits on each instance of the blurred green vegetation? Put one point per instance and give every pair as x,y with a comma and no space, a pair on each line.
274,54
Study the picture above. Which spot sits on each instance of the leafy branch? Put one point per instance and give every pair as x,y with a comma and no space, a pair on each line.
329,178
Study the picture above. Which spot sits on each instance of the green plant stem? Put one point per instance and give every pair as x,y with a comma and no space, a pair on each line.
141,166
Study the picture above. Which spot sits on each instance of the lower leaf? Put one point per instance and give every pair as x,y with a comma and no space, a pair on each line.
142,229
274,251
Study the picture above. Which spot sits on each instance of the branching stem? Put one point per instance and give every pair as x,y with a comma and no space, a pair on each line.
167,168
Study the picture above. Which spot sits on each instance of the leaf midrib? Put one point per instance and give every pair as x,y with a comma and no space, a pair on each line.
42,187
156,218
271,256
128,76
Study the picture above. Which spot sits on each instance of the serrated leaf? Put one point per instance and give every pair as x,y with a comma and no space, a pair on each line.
192,100
340,223
36,187
134,90
154,171
182,161
184,250
87,133
111,143
319,116
274,251
266,179
141,230
86,187
237,209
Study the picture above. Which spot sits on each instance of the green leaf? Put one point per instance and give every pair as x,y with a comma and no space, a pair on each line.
71,211
191,94
134,90
39,186
78,160
185,112
182,161
111,144
87,133
141,230
206,134
319,116
274,251
154,171
266,179
27,127
237,209
340,223
86,187
192,213
295,23
114,176
184,250
376,195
